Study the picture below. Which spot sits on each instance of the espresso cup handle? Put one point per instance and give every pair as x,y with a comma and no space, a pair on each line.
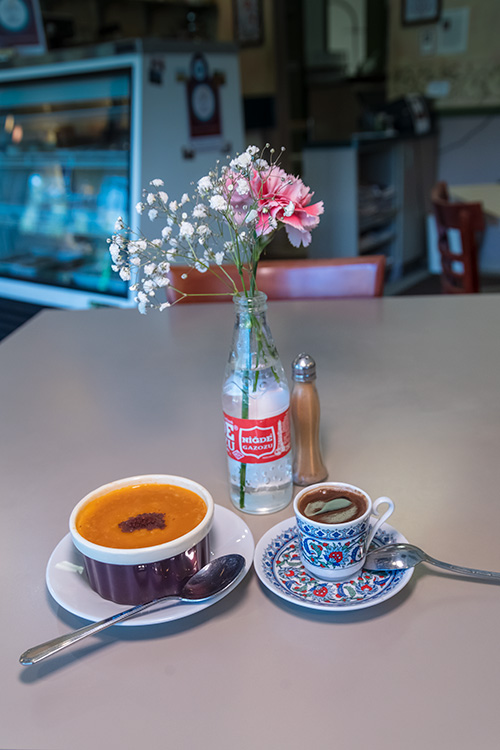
380,519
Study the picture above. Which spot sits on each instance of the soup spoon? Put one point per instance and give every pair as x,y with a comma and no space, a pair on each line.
402,556
212,579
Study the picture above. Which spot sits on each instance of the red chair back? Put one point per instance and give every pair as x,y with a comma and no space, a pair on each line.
459,270
329,278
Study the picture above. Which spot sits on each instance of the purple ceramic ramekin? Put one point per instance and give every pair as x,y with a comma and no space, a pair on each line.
135,576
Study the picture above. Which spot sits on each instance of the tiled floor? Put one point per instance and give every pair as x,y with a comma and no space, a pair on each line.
13,314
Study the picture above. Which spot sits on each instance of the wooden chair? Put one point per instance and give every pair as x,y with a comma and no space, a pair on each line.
459,270
331,278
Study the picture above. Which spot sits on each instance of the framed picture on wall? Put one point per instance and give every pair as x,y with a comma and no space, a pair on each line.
420,11
248,22
21,26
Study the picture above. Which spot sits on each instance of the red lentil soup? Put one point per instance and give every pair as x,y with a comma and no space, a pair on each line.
140,515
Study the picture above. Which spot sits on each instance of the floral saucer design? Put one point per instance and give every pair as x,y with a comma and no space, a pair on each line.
279,567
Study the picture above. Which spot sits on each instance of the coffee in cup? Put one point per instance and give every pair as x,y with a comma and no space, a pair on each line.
335,528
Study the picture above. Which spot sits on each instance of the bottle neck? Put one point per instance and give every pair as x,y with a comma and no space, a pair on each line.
256,305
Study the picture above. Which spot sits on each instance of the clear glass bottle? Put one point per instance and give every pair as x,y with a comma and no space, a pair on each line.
256,406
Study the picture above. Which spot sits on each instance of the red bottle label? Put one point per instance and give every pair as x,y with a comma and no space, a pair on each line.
258,441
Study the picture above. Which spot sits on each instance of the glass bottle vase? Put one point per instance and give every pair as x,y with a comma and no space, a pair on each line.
256,403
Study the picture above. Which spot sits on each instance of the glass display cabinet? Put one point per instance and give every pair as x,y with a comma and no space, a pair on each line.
79,139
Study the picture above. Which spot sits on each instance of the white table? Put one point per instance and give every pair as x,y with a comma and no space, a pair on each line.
410,408
486,193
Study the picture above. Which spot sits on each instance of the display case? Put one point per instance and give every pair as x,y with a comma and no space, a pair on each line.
79,139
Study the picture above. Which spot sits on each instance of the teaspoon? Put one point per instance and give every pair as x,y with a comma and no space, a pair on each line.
212,579
402,556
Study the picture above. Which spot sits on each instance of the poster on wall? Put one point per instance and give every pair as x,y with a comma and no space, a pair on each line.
21,26
248,24
420,11
204,112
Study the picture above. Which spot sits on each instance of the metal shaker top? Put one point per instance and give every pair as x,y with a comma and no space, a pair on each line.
303,368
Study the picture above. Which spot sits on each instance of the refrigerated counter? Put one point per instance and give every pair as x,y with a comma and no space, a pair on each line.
80,138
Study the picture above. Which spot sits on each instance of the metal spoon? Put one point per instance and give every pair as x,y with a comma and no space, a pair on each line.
402,556
213,578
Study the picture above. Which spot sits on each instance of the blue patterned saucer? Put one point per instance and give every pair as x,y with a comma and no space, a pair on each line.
278,565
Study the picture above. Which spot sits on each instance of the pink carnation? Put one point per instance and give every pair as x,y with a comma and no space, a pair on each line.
277,196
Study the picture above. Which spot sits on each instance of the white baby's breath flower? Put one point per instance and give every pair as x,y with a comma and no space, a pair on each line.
219,257
251,216
166,232
186,229
164,306
125,273
137,246
139,207
288,210
199,211
149,268
135,260
160,280
150,198
148,285
201,267
157,183
204,184
173,206
114,250
184,199
218,203
241,162
142,301
157,242
252,150
163,196
228,246
170,256
119,224
203,230
152,213
242,187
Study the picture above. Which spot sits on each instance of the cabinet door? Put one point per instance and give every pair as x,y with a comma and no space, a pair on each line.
418,175
332,174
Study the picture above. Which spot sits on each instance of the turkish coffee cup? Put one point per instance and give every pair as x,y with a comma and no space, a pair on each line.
336,523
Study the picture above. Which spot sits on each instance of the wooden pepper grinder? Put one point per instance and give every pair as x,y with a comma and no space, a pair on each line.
308,466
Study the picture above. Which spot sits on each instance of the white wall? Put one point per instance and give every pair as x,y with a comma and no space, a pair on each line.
469,152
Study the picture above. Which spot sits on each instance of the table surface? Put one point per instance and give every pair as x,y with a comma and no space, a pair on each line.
409,389
487,193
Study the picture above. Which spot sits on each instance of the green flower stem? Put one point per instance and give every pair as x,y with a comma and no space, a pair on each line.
245,409
262,350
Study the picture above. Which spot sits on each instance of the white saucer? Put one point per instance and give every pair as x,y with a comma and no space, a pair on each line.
278,565
68,583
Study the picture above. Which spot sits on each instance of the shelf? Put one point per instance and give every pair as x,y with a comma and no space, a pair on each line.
366,223
368,243
85,159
